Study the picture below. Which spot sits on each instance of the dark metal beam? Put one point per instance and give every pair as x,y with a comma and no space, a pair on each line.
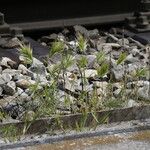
95,20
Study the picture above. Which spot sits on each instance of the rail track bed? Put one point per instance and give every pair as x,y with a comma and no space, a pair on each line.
56,75
69,73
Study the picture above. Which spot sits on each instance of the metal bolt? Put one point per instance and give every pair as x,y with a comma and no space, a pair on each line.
145,5
142,22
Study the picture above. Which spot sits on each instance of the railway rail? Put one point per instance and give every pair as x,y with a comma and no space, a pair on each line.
132,15
45,16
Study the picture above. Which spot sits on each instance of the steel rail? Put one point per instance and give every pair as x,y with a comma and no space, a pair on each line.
51,24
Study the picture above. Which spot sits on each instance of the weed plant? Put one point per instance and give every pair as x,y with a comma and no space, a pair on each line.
47,96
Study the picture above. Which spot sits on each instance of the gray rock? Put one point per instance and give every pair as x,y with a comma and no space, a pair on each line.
91,61
20,77
10,43
113,61
62,97
43,44
61,37
113,45
93,34
2,81
24,97
102,85
1,140
6,100
99,43
134,84
28,91
73,68
144,92
81,30
87,88
87,33
123,41
73,44
14,110
56,58
106,49
12,72
5,78
12,64
30,74
32,82
115,54
22,59
116,93
10,88
135,65
132,103
143,83
70,86
40,79
135,51
23,69
9,119
89,73
117,85
19,91
117,72
53,36
1,91
91,51
8,63
4,62
131,59
38,67
101,92
132,67
48,39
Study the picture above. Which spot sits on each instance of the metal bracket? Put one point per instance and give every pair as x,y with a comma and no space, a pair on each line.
140,22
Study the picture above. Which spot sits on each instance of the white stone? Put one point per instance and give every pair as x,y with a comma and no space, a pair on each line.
90,73
23,69
132,103
144,93
12,72
4,62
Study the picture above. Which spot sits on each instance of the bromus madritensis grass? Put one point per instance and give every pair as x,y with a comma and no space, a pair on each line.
26,53
82,65
56,47
10,133
70,87
82,43
137,75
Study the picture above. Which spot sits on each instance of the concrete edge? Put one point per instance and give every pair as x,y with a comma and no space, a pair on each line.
59,138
